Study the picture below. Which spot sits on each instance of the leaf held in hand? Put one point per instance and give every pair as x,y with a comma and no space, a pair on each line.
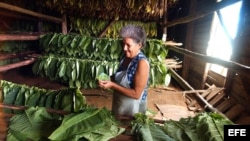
103,76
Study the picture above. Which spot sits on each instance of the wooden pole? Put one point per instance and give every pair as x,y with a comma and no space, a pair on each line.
106,28
16,65
15,55
28,12
237,67
64,24
10,37
200,14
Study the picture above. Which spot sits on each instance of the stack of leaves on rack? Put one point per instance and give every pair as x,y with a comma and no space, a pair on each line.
67,99
77,60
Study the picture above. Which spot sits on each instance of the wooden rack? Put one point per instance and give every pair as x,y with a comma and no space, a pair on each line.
25,36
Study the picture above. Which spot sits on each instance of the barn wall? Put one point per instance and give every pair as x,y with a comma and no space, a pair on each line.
235,103
241,81
199,44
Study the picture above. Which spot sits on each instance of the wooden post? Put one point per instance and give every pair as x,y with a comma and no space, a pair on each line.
165,20
188,44
64,24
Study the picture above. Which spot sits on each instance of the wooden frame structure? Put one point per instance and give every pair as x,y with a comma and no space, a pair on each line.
25,36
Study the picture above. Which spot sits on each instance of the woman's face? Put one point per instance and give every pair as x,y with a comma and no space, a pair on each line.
130,47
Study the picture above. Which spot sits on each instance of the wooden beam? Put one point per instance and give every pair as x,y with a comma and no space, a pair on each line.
16,65
188,44
237,67
22,37
106,28
15,55
200,14
12,15
29,12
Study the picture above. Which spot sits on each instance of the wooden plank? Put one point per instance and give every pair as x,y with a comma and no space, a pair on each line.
213,93
205,94
215,78
29,12
225,105
218,98
234,112
174,112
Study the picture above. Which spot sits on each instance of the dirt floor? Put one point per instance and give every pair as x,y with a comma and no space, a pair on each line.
163,103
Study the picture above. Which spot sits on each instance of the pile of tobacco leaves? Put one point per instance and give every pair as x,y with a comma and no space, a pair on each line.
36,124
206,126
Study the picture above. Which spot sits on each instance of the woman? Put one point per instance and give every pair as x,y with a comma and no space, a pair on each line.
130,82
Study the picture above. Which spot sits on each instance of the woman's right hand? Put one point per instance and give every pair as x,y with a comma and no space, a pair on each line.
105,84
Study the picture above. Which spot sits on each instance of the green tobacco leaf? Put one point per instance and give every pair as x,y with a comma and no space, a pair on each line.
35,123
202,127
103,76
211,126
81,124
144,129
10,97
20,99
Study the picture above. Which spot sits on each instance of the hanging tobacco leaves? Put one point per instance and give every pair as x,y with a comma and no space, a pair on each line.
67,99
77,60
